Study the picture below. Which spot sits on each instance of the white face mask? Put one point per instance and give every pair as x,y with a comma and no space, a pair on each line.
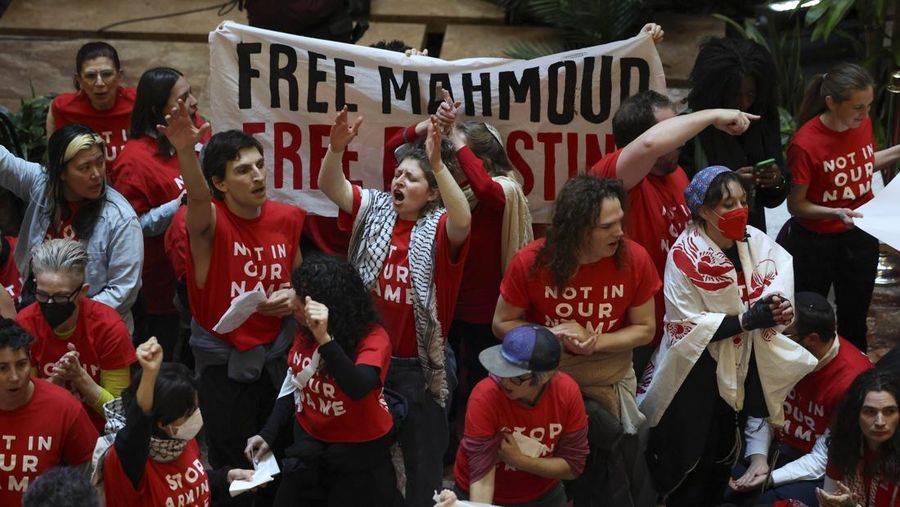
191,427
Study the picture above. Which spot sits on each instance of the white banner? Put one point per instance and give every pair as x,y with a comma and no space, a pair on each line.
554,113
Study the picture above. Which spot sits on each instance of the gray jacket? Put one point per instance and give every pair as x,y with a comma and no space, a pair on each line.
115,249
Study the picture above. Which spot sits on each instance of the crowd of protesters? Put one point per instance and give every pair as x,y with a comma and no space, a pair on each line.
653,347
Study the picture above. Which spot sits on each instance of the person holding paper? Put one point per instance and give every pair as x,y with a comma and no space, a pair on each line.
239,241
526,426
409,251
832,159
334,390
153,458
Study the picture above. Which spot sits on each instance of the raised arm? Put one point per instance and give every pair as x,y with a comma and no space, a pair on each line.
332,181
133,441
459,216
638,158
19,176
184,135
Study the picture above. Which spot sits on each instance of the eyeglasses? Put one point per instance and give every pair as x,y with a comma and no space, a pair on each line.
517,381
43,297
105,75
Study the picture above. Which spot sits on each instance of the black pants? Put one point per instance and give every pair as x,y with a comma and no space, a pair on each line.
615,472
232,413
325,474
423,434
467,341
846,260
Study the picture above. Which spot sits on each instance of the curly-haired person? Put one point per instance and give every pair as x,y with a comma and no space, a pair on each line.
334,391
594,290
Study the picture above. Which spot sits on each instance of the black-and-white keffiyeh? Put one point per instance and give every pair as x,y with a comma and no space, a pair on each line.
369,247
162,450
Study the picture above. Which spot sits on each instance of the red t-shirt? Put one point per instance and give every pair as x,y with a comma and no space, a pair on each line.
882,491
328,414
559,410
656,215
837,166
597,296
113,125
176,244
65,230
393,293
149,180
101,339
51,429
182,482
811,405
10,279
482,273
247,254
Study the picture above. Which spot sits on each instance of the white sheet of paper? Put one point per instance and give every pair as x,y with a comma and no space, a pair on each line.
529,446
241,308
265,468
880,215
464,503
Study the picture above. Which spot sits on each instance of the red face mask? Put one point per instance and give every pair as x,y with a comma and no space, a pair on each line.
733,225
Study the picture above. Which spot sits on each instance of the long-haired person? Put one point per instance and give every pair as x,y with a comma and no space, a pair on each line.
739,73
100,101
148,175
593,288
832,159
409,251
69,198
864,449
334,393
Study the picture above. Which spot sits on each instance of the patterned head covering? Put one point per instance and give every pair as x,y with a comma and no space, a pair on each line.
696,190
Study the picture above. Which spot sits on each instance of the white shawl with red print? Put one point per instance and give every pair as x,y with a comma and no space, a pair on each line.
701,288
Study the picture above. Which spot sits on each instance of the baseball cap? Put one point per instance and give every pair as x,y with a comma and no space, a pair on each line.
524,349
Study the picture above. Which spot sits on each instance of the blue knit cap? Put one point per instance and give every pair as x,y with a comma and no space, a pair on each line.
696,190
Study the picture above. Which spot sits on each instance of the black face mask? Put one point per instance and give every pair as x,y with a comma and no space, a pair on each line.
57,313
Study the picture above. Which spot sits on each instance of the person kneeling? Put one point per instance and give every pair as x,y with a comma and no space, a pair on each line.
526,426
